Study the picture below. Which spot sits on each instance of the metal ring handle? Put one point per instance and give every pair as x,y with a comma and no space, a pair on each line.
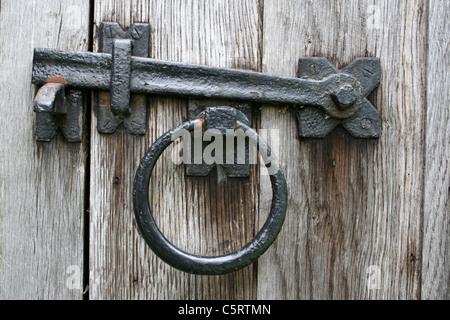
202,264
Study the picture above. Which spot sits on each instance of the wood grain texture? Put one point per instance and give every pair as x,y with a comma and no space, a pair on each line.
436,236
352,203
199,215
41,184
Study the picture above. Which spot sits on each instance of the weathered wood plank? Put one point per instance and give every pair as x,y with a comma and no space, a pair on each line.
436,235
199,215
41,184
353,204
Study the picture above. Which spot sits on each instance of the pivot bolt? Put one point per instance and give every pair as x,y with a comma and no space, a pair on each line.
345,96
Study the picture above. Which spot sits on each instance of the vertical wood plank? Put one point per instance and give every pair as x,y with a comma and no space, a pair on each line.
197,215
41,184
353,203
436,236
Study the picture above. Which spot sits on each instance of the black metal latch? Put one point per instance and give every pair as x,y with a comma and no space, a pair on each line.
322,95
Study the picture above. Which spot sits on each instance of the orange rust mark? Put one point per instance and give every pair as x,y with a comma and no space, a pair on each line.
104,99
203,125
57,80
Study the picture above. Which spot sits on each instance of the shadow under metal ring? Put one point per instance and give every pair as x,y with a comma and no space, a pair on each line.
204,264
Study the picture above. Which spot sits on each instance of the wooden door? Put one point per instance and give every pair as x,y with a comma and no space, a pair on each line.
366,219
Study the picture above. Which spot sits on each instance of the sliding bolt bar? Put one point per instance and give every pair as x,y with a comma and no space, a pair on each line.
322,96
120,77
93,71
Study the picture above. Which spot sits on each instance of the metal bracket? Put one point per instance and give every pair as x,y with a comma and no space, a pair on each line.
215,116
118,106
55,109
363,120
323,96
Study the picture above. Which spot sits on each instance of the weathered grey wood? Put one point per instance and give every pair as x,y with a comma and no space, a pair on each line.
436,236
41,184
199,215
352,204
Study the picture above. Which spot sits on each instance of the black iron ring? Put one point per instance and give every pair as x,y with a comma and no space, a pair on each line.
203,264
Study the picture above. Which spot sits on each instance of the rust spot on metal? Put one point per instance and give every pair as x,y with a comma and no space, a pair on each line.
203,125
105,99
57,80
